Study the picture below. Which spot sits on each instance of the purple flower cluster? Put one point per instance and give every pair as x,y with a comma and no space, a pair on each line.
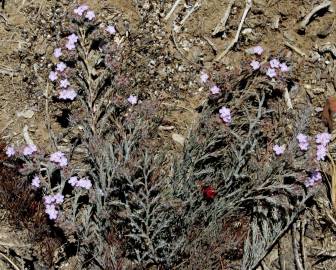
36,181
59,158
273,63
84,182
225,114
303,141
80,10
10,151
132,99
29,149
322,141
214,89
313,179
279,150
50,202
204,76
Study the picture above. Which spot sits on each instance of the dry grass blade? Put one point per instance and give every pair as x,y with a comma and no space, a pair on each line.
333,181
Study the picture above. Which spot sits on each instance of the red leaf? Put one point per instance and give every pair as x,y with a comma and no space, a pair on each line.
209,193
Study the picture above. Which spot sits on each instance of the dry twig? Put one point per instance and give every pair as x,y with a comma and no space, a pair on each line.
235,40
316,9
191,11
172,9
296,248
221,25
295,49
303,250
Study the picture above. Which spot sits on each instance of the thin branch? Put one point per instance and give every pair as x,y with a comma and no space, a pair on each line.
235,40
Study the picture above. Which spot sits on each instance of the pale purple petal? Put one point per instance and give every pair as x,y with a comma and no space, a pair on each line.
59,198
284,67
80,10
29,149
258,50
279,150
271,72
90,15
10,151
321,152
274,63
67,94
225,114
215,90
53,76
132,99
255,65
64,83
111,29
323,138
70,45
73,181
57,52
204,77
73,38
36,181
61,67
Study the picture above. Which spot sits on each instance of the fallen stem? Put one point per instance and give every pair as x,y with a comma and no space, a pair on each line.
235,40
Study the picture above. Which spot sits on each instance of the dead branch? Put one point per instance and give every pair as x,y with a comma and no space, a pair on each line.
172,9
303,249
308,17
191,11
296,248
221,25
235,40
295,49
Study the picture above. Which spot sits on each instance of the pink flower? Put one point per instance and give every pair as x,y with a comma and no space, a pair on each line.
215,90
57,52
59,158
132,99
313,179
90,15
51,211
70,46
73,38
323,138
111,29
303,141
64,83
274,63
61,67
255,65
84,183
284,67
48,199
204,77
67,94
271,72
36,181
279,150
80,10
225,114
59,198
29,149
321,152
73,181
53,76
10,151
258,50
